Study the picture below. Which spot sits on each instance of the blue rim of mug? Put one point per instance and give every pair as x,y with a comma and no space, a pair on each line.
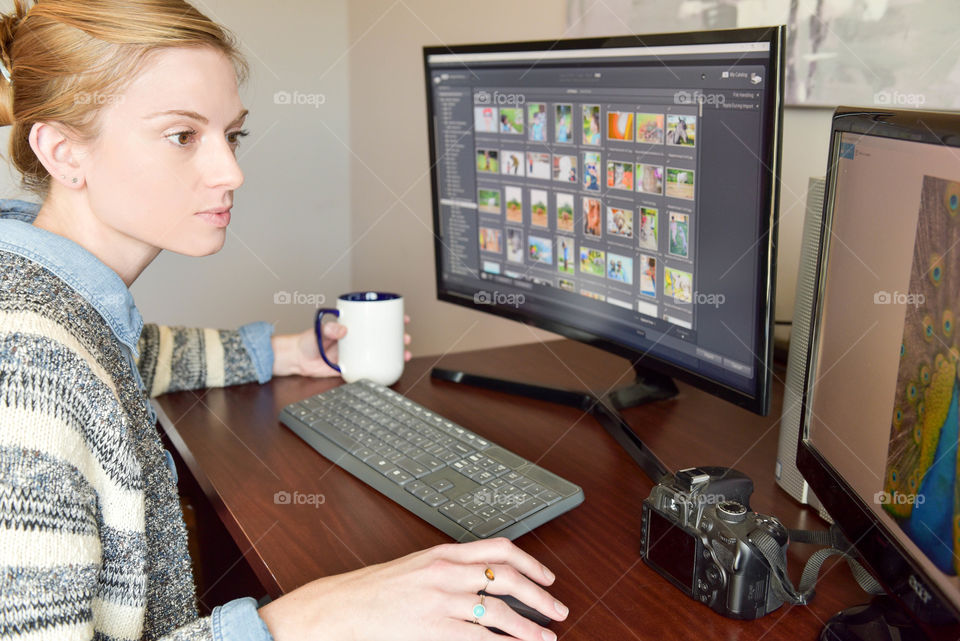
368,297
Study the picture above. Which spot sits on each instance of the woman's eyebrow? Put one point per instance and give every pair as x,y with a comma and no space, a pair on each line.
194,115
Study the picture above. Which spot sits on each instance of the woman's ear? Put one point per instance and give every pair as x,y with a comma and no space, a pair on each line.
58,153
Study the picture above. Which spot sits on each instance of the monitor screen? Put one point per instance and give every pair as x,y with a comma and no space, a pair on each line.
617,191
880,408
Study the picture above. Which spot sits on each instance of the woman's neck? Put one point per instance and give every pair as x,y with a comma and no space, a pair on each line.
72,218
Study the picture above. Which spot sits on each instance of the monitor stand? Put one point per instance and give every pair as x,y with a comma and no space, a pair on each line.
880,620
648,387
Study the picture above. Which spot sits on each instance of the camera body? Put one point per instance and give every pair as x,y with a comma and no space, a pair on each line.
697,532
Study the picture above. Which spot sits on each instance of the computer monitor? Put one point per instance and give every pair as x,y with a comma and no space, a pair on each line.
878,443
619,191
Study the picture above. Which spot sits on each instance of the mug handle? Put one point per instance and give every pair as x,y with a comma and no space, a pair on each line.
318,328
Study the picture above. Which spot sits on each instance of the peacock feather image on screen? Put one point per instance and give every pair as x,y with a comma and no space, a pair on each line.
922,485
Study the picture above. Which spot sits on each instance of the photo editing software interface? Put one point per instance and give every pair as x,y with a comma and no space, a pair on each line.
615,190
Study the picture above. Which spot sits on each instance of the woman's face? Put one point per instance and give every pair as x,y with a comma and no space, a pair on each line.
162,170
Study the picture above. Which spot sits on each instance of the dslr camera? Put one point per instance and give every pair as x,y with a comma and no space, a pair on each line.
698,531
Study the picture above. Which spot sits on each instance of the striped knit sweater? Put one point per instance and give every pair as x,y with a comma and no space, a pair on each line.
92,540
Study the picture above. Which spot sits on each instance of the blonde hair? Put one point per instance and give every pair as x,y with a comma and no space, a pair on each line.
67,57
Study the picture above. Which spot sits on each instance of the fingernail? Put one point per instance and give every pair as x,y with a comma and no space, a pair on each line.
547,573
561,608
546,635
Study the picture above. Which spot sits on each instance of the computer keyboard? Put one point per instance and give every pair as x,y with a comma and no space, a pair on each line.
447,475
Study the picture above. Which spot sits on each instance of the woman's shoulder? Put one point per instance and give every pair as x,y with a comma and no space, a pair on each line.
39,309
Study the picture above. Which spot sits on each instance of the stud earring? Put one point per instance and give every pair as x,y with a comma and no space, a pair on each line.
74,181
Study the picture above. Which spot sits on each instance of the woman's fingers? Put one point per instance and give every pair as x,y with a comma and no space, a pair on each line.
497,614
499,550
507,580
334,330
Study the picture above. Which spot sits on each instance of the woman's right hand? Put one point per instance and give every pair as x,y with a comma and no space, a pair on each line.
424,596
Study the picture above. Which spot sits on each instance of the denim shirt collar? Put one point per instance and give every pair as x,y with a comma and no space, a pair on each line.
85,273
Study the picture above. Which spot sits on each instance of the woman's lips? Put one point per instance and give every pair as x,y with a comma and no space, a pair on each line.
216,217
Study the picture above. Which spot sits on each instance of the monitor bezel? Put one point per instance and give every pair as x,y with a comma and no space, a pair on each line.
894,566
757,400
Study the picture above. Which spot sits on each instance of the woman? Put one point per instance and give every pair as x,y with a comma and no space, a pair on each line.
125,120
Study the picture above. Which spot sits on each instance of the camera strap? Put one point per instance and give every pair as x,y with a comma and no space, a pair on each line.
776,556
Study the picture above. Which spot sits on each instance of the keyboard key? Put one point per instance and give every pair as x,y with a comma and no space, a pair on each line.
412,466
460,448
364,453
492,526
423,493
398,476
430,461
413,486
471,522
455,511
522,482
487,463
381,465
483,477
436,500
511,477
535,488
448,457
441,485
525,508
486,511
496,484
469,470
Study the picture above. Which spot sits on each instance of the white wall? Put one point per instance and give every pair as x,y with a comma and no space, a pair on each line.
291,224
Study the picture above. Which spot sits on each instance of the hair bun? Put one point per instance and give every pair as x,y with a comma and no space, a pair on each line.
9,24
8,30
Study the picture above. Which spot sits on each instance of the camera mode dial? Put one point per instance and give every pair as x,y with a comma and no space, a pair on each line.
731,512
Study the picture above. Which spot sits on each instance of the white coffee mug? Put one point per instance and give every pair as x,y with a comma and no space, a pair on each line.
373,347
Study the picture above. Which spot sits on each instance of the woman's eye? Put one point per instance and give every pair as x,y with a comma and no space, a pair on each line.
234,136
181,138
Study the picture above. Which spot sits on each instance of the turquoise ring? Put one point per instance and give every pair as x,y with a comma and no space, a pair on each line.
479,609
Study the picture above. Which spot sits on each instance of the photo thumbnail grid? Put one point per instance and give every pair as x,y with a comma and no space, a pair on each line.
594,199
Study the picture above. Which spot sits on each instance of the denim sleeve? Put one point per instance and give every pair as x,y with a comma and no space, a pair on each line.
256,339
239,620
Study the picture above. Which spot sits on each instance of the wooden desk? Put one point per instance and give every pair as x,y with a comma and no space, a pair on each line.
241,457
